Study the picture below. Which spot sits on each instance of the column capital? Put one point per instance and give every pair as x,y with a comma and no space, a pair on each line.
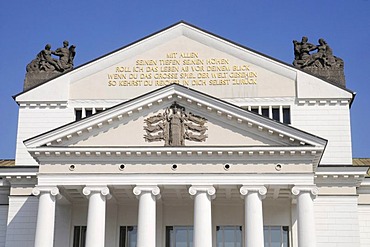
209,189
103,190
153,189
260,189
312,189
52,190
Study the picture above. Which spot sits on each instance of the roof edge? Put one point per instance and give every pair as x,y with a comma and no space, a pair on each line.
200,29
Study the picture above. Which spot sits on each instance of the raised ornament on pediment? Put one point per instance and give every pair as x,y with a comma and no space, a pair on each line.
174,126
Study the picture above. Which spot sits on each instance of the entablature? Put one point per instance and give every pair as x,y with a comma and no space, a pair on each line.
195,154
174,179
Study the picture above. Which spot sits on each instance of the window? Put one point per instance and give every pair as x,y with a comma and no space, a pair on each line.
229,236
88,112
79,236
78,114
277,112
179,236
276,236
286,115
265,111
255,110
127,236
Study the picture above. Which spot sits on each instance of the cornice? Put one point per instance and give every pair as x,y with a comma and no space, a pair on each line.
19,175
322,102
364,188
163,97
197,151
340,176
305,155
42,104
262,101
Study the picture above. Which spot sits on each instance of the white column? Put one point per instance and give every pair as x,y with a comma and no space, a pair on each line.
253,232
306,216
95,232
203,196
46,215
146,227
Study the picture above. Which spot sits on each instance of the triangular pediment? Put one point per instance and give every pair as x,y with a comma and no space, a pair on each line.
212,122
185,55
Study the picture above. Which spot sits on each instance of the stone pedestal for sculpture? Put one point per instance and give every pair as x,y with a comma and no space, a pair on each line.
35,78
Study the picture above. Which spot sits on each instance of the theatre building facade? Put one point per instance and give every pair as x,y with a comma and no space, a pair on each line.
183,139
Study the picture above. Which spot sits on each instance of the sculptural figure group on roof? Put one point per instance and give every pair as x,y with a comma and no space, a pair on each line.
323,58
44,60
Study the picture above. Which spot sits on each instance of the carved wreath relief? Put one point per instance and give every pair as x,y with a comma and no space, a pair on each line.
174,126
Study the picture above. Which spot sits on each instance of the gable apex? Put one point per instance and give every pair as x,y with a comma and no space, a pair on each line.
65,86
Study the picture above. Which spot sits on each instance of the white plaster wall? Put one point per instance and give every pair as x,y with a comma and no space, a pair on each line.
276,212
337,221
127,215
228,215
111,226
79,215
178,215
34,121
62,233
124,215
364,222
21,221
3,225
331,122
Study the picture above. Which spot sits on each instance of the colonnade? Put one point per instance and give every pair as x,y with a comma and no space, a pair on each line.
146,229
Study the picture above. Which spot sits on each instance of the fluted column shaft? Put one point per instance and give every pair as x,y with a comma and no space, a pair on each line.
203,196
306,216
95,232
46,215
253,232
146,227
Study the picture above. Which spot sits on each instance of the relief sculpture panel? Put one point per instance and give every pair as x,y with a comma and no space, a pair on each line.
174,126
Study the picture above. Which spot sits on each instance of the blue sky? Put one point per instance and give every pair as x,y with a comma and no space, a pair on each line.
98,27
